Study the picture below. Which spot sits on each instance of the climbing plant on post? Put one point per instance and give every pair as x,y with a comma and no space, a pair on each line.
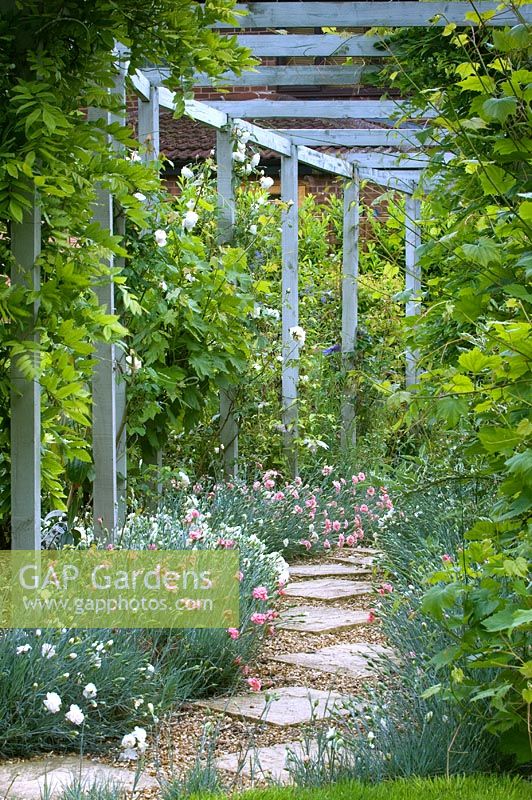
349,304
26,389
413,274
291,335
226,222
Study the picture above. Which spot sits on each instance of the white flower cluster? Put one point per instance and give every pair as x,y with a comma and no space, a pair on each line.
133,744
264,311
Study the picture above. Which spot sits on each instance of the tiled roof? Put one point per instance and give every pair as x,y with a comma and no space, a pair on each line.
184,140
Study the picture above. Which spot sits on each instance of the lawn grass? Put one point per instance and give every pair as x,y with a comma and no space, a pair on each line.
476,787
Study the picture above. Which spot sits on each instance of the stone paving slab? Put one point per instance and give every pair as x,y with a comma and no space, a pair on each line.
348,659
264,763
327,589
328,570
321,619
289,705
357,561
27,779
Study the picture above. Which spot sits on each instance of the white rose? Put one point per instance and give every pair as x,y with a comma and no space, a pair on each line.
75,715
298,334
141,197
52,702
90,691
266,182
189,220
253,230
187,173
238,156
255,160
161,237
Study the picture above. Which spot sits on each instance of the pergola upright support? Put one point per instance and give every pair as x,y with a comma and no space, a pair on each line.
26,393
119,227
413,274
104,388
349,304
290,303
148,134
226,223
148,124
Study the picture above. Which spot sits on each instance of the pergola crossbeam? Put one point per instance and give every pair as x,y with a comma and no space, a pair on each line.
309,45
373,15
353,137
318,109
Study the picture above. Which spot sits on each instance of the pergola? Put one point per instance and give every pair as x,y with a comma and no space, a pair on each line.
395,171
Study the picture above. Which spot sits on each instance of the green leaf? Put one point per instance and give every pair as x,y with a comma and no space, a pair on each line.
499,440
484,252
499,108
476,361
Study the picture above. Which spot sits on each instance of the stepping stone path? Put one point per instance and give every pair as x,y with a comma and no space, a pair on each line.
317,619
358,561
26,780
325,586
290,705
327,589
268,763
328,570
348,659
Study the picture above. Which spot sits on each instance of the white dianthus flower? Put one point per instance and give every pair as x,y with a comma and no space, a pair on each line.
75,715
52,703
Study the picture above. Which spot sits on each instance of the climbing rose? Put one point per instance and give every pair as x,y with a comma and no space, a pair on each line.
161,237
266,182
298,334
189,220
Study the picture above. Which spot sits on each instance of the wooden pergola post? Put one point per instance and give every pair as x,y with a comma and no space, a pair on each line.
290,303
226,223
26,393
119,227
413,274
349,304
104,386
148,134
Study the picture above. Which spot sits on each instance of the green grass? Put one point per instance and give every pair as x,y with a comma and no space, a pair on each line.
476,787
